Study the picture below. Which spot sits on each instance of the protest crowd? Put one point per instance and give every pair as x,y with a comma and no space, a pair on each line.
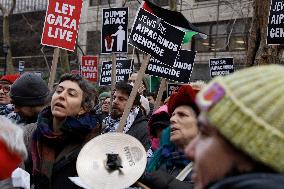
231,135
227,133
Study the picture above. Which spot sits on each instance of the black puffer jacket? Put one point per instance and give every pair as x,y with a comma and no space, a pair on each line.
251,181
163,180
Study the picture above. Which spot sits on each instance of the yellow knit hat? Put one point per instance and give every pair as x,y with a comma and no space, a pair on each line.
247,108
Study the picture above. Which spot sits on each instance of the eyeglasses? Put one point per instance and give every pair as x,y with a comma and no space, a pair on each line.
106,102
131,81
5,88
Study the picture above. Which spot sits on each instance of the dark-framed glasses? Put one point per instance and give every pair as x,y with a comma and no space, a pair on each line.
5,88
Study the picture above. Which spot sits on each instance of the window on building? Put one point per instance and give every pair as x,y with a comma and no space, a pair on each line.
101,2
93,42
231,36
162,3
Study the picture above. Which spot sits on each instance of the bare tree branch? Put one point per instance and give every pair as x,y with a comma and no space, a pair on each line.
2,8
259,53
29,24
13,7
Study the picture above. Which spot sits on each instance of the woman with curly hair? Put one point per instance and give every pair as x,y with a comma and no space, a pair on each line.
62,130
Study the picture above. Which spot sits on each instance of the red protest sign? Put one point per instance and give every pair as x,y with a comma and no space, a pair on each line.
89,68
61,24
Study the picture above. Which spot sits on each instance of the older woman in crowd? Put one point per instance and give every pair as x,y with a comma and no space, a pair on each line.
62,129
6,107
169,160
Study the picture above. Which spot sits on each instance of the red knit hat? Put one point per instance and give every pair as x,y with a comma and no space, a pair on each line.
185,96
9,161
10,78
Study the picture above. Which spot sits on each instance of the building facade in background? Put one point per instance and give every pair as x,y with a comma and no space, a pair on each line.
23,6
225,22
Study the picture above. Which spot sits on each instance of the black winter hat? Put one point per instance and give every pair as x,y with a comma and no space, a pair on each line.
29,90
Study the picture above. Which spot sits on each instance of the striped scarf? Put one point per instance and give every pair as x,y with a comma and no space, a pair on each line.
46,144
112,124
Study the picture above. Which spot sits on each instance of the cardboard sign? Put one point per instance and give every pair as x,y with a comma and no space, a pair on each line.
123,70
156,37
61,24
114,30
173,87
180,71
275,30
89,68
221,66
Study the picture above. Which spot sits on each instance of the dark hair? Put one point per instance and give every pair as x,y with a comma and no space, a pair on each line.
126,88
164,96
154,95
89,92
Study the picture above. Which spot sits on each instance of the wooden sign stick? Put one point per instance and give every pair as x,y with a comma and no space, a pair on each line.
140,184
133,94
162,88
181,176
113,78
53,68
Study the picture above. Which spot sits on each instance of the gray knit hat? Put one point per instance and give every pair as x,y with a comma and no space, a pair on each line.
29,90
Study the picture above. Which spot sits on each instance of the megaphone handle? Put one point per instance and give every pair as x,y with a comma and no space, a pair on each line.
140,184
